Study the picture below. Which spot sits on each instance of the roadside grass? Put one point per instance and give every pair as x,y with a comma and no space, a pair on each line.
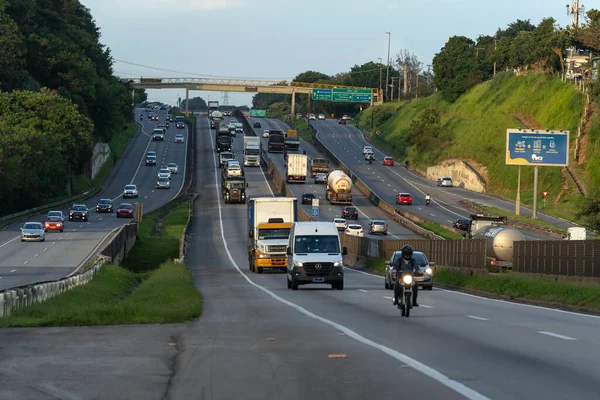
149,291
517,286
477,124
302,127
439,230
376,265
519,218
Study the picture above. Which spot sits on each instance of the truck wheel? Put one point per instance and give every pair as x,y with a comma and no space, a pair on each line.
340,285
289,283
387,285
259,270
250,263
294,284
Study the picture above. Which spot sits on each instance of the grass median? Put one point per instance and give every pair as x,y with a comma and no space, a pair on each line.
149,288
439,230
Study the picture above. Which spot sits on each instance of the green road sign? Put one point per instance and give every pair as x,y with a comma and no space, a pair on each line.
352,95
321,94
258,113
343,95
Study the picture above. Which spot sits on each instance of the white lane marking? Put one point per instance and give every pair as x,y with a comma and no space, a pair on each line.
388,297
364,273
419,208
556,335
363,290
425,306
60,237
74,230
145,197
389,185
449,221
11,240
36,255
432,214
403,358
13,270
45,249
25,262
99,219
477,318
67,233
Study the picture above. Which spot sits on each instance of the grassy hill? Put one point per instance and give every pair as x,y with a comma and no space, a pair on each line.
474,130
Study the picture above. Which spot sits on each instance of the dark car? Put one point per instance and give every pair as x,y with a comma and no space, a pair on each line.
79,211
170,118
307,198
350,212
257,125
342,122
462,224
125,210
105,205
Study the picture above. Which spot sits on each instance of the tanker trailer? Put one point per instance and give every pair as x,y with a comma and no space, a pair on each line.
500,239
339,188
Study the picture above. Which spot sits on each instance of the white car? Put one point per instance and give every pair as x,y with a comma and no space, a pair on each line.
33,231
163,183
164,173
368,155
340,223
312,117
179,138
355,230
173,168
367,149
130,191
266,133
158,134
444,181
321,116
321,177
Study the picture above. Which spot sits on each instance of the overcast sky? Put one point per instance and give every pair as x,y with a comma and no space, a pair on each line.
277,39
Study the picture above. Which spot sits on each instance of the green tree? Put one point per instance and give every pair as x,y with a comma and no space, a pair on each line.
590,211
278,110
44,141
195,103
311,77
140,96
455,67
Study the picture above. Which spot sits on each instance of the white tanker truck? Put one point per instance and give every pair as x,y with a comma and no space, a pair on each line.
339,188
499,237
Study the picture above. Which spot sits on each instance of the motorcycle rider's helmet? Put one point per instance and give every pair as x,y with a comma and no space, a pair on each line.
407,252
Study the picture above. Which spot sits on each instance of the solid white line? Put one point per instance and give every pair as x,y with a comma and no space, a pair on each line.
363,290
387,297
11,240
477,318
418,366
556,335
25,262
13,270
425,306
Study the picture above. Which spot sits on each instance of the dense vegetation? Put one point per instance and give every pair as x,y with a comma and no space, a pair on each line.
46,136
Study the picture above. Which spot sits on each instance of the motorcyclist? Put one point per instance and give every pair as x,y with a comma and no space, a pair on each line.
141,117
405,264
427,198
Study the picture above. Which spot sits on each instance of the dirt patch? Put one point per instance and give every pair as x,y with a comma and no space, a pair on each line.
525,120
564,187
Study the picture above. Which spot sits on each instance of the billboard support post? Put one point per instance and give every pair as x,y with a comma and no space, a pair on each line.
535,191
518,201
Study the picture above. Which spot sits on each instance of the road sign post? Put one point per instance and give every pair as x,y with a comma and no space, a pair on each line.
545,194
315,208
537,148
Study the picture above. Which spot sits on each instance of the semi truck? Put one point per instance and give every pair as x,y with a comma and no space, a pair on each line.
295,168
270,220
319,165
292,141
213,106
233,189
499,237
276,142
223,140
251,151
215,119
339,188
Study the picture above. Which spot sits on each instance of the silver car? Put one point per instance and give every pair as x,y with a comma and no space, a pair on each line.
425,281
444,181
164,173
163,183
378,226
179,138
58,214
130,191
173,168
33,232
320,177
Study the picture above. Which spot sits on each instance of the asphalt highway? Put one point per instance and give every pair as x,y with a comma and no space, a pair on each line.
347,143
61,253
327,212
258,340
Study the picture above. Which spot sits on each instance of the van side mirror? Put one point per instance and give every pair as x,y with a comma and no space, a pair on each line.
250,233
288,251
344,251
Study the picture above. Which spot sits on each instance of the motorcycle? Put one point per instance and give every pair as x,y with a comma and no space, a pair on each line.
370,161
407,283
427,201
141,117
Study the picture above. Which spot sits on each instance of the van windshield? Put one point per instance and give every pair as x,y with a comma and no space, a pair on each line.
317,244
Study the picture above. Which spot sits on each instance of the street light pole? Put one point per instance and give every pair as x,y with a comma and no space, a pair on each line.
380,70
387,74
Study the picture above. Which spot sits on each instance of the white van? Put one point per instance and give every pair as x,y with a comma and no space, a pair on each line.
576,233
315,255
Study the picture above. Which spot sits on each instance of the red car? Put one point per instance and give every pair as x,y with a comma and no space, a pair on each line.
125,210
54,224
404,198
388,161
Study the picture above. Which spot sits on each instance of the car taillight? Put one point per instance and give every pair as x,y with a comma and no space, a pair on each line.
362,231
347,230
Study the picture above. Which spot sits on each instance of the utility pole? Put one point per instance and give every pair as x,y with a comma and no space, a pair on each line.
428,74
575,10
392,86
387,74
405,68
477,50
418,71
495,42
380,70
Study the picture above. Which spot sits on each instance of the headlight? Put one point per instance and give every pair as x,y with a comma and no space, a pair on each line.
407,279
298,264
428,271
338,264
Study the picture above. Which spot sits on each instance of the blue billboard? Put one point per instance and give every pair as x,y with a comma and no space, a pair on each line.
550,148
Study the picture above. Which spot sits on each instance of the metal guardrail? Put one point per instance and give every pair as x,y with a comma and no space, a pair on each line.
88,193
24,296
